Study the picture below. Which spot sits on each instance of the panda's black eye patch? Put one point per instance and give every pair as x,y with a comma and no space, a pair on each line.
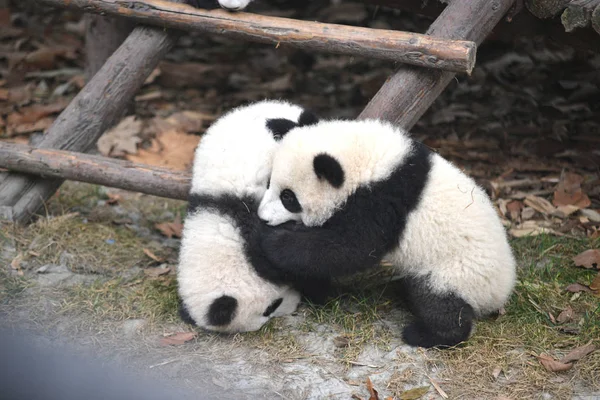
222,311
289,201
272,307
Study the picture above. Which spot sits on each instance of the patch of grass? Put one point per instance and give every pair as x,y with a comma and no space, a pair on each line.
116,300
275,339
511,342
83,247
11,286
356,318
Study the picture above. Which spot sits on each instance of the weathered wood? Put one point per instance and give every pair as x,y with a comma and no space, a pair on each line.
578,14
546,8
95,169
596,19
96,108
410,91
404,47
103,36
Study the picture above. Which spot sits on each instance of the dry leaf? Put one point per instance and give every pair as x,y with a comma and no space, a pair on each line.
578,353
156,272
113,198
595,285
588,259
514,209
496,372
553,365
152,255
341,341
577,287
121,139
28,127
414,394
36,112
177,339
372,392
16,262
592,215
170,229
564,211
171,149
568,191
566,315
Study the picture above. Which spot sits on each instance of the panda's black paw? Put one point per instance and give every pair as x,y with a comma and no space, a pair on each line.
420,336
206,4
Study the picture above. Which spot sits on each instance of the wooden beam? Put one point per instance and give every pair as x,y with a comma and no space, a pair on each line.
596,19
411,90
578,14
397,46
49,163
103,35
546,8
98,106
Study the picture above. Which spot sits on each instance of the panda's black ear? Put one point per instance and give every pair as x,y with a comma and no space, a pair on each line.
327,167
307,118
222,311
280,126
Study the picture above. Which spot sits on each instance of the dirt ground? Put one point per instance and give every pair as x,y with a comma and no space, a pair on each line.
97,273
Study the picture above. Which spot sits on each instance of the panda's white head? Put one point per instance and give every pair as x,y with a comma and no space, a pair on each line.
316,168
219,287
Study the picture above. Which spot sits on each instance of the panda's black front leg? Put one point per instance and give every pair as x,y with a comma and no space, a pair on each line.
206,4
441,320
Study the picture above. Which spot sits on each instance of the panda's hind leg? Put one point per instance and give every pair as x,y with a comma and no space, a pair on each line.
441,320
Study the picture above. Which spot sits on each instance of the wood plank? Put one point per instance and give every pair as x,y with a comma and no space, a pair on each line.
403,47
98,106
411,90
578,14
105,171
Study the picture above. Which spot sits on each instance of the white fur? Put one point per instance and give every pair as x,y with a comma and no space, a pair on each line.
234,4
454,234
233,157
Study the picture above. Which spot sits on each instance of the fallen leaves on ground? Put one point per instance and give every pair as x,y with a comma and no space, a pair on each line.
153,256
121,139
566,315
177,339
170,149
156,272
373,395
588,259
577,287
551,364
170,229
414,394
569,193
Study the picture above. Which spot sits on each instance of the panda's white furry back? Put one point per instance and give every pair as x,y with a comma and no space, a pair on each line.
221,273
366,190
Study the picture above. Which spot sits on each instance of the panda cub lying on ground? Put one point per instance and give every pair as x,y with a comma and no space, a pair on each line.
225,283
364,190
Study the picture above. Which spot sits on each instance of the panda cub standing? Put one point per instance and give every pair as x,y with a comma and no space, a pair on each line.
364,190
225,283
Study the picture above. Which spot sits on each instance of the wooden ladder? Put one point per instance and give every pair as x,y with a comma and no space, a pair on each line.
430,62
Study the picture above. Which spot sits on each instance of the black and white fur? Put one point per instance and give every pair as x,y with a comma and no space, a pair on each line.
232,5
225,283
364,191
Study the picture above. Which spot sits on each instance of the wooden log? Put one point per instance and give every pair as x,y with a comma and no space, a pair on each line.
103,36
403,47
578,14
410,91
105,171
596,19
546,8
96,108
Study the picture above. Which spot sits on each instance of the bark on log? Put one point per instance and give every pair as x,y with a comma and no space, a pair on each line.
578,14
404,47
96,108
546,8
410,91
95,169
103,36
596,19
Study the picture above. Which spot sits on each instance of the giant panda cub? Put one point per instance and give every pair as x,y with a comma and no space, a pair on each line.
363,190
225,283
